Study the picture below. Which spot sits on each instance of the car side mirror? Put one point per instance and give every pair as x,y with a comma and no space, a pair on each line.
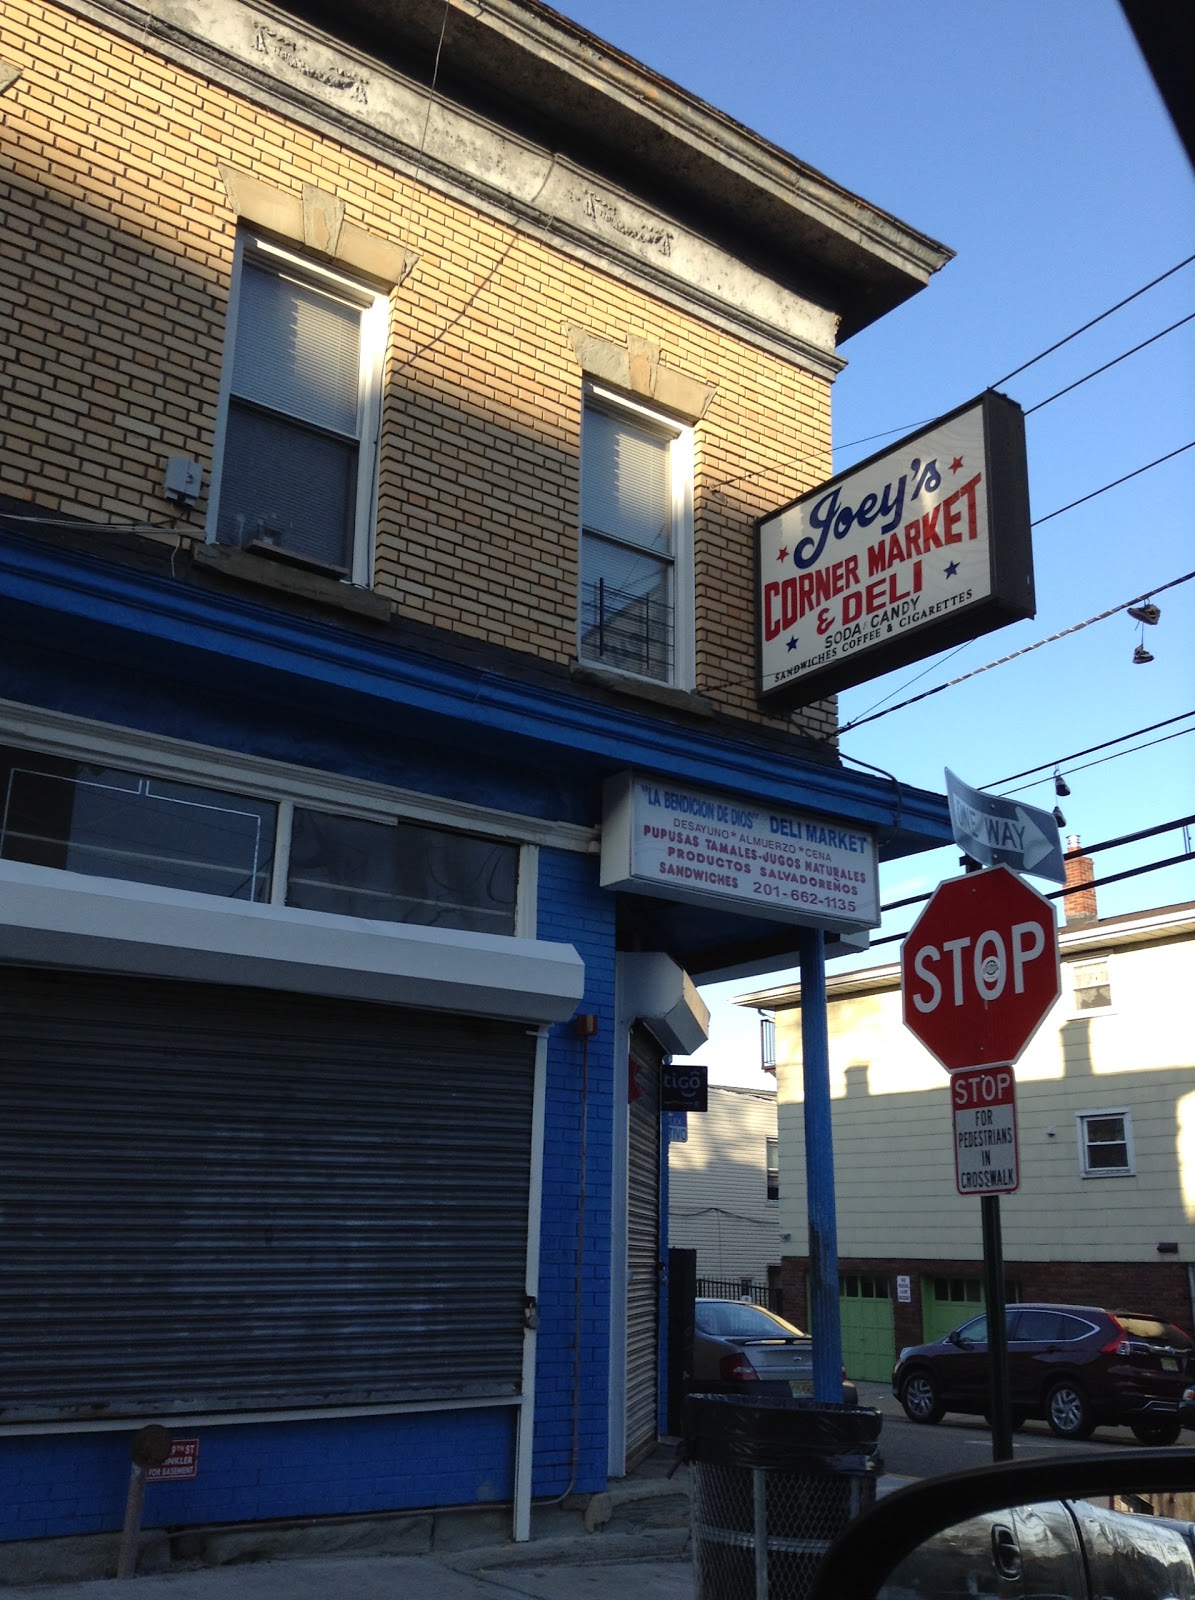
901,1531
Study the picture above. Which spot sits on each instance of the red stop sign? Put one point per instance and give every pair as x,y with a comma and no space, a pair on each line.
979,969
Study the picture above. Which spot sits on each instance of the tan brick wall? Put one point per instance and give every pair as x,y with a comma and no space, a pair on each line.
114,278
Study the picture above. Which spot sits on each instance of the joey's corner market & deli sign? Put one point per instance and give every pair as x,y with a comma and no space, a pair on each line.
662,838
918,548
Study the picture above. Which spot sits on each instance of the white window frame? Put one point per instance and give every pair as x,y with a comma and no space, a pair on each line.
374,306
1086,1170
772,1167
680,477
179,761
1076,967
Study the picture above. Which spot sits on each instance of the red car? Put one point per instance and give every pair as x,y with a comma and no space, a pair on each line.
1076,1366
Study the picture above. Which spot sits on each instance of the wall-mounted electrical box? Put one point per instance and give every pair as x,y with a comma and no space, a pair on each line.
184,480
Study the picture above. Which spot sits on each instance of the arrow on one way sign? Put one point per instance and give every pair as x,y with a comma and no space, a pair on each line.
998,832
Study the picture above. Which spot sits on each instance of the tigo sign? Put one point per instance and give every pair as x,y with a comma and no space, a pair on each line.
919,548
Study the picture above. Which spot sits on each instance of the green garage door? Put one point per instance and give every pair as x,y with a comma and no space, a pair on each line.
868,1340
947,1302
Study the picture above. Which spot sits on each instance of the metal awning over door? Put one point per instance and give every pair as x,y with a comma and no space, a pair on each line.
220,1199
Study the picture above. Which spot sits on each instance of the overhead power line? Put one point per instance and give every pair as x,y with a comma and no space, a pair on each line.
1091,749
1095,883
1087,850
926,694
1087,765
1123,356
1049,351
1057,894
1136,294
1136,473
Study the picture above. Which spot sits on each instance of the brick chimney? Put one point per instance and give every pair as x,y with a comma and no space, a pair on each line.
1079,900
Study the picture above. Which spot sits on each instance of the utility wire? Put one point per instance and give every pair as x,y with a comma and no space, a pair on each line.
1087,765
925,694
1124,356
1025,365
1032,362
1057,894
1087,850
1090,750
1096,883
75,525
1169,456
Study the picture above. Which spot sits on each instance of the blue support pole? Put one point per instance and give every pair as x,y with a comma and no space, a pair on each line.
819,1173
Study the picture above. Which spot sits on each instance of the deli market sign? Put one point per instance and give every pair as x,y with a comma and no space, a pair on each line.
917,549
664,839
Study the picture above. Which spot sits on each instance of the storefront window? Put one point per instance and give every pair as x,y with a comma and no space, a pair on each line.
401,872
110,823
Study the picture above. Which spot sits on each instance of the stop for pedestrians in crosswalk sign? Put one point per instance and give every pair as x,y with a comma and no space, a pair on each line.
986,1157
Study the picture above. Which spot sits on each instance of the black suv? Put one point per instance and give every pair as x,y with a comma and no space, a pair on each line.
1076,1366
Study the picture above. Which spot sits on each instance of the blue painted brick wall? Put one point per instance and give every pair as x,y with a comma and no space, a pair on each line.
574,1333
67,1484
70,1484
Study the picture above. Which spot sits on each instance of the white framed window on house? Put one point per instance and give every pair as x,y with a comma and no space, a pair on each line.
773,1168
636,602
1091,986
1105,1144
297,444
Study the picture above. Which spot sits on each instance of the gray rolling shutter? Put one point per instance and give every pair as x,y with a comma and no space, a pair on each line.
643,1251
217,1198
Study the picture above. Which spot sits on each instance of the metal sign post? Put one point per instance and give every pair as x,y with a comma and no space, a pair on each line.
993,1267
979,972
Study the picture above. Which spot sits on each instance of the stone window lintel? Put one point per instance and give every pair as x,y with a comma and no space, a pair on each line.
314,218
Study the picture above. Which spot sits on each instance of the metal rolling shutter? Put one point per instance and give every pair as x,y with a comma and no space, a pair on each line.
217,1198
643,1252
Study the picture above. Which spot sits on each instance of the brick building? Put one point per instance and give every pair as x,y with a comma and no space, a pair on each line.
388,396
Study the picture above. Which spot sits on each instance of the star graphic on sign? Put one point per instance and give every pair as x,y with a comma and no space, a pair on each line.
792,643
782,555
956,463
952,569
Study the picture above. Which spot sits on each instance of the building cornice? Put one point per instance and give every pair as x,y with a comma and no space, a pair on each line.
799,257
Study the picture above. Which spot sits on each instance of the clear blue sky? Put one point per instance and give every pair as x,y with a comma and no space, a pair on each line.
1028,136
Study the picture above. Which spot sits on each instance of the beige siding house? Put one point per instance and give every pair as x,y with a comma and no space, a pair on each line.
1106,1128
723,1199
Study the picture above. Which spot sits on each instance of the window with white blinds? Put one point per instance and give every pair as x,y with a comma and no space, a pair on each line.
635,613
296,470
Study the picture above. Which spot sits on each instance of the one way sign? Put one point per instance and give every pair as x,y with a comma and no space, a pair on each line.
998,832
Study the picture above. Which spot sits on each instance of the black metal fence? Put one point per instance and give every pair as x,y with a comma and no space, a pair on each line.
739,1289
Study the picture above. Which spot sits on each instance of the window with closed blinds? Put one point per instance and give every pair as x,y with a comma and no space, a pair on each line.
297,459
629,542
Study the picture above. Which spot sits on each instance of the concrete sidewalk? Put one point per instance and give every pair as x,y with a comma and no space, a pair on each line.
589,1567
632,1539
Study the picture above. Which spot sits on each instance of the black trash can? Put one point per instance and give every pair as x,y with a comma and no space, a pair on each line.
774,1481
